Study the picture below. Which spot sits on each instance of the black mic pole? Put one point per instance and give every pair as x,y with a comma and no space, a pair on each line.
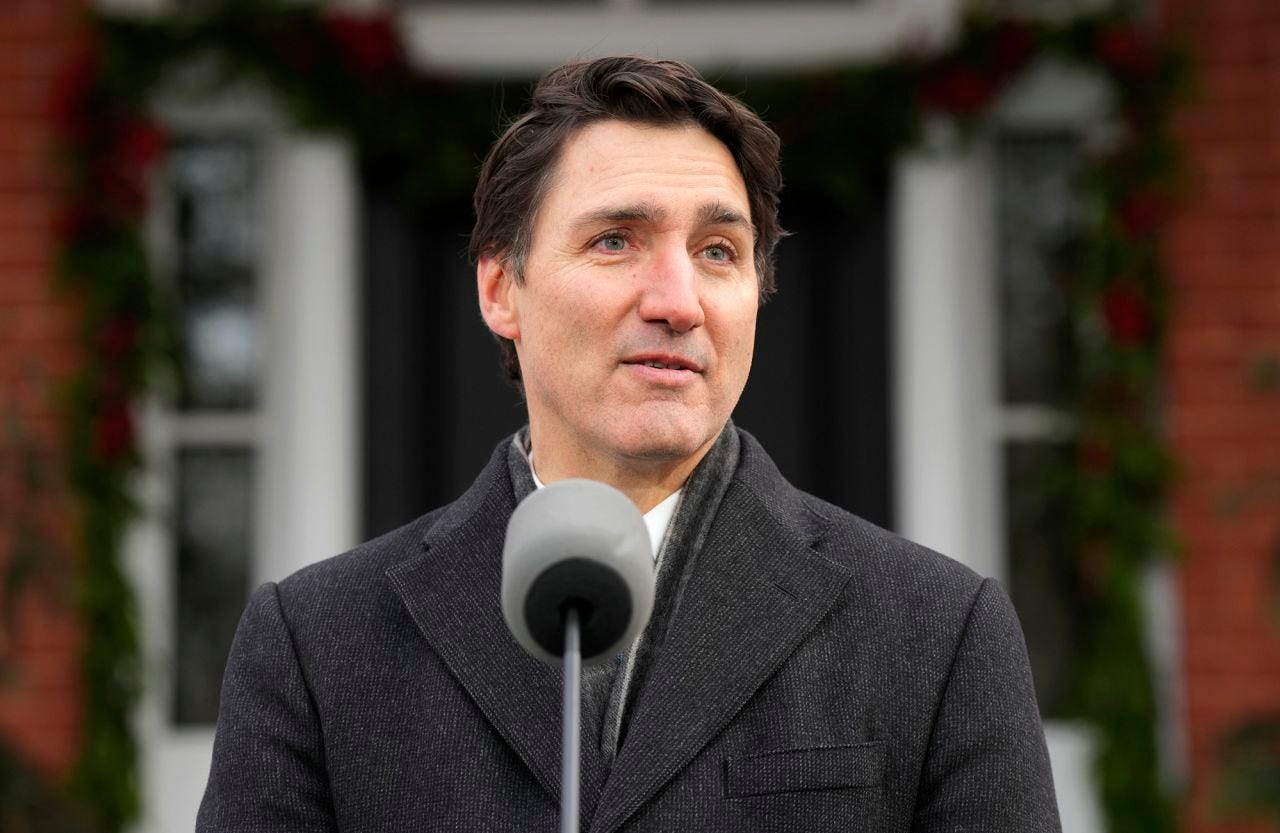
571,547
571,720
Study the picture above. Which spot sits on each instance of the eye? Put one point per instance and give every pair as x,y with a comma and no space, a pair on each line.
611,242
720,252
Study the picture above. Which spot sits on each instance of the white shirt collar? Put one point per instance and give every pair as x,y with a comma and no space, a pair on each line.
657,520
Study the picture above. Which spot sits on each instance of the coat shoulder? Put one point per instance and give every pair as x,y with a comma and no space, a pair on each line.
874,557
865,548
338,581
364,566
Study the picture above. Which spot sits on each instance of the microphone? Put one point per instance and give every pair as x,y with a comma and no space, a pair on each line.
576,544
577,585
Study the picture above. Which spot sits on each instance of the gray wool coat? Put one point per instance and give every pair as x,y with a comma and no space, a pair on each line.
818,674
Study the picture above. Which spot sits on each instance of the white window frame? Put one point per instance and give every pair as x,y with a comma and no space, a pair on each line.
304,431
951,423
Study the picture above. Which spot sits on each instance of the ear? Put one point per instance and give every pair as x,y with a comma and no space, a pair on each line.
496,287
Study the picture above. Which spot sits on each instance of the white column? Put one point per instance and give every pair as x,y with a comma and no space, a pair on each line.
947,444
943,307
309,478
1072,750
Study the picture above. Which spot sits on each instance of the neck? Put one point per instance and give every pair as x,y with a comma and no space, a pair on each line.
647,482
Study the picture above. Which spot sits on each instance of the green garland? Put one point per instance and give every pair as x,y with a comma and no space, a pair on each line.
1248,755
348,75
111,146
30,805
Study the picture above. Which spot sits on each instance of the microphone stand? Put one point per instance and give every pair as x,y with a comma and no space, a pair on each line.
570,723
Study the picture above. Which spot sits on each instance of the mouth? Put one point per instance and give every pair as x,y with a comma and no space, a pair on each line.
665,361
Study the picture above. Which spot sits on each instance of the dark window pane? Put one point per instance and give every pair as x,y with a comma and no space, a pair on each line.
212,183
215,497
1039,215
1042,578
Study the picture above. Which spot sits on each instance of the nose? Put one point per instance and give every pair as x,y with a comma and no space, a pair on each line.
670,291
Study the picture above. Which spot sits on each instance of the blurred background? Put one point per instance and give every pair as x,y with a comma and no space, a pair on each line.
238,334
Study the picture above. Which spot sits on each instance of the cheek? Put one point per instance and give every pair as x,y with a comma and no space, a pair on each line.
737,330
587,308
567,330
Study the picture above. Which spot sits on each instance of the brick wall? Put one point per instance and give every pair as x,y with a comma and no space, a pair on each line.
1225,255
39,699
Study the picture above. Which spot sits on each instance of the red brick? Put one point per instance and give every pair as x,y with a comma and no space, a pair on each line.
1206,344
1225,258
29,61
1231,45
46,22
27,211
26,250
1223,422
37,322
1235,304
25,173
1223,121
1224,255
52,750
47,626
1245,84
26,136
33,283
25,100
1229,13
35,36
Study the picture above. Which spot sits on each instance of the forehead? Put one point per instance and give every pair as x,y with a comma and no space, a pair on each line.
680,168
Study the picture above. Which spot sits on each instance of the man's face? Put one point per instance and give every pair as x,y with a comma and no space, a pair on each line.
635,322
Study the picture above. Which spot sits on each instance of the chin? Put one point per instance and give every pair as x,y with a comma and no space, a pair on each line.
664,441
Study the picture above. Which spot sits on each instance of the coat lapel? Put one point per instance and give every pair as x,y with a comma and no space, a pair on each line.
452,590
753,593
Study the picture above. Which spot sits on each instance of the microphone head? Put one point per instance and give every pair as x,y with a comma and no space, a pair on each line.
576,543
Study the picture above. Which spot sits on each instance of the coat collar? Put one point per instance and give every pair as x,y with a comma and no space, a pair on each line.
452,589
756,589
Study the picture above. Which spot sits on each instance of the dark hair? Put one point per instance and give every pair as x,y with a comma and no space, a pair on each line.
519,167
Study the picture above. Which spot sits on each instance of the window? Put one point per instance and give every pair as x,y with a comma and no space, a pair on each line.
217,346
1039,213
252,464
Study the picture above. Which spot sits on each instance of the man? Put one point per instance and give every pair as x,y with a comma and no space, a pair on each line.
802,671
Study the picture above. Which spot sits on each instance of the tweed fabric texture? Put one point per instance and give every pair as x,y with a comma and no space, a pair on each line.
607,688
818,674
686,535
599,683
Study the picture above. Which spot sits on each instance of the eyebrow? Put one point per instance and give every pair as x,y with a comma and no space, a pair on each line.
711,214
719,214
645,212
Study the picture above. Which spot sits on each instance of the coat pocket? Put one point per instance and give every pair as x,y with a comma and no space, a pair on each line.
812,768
